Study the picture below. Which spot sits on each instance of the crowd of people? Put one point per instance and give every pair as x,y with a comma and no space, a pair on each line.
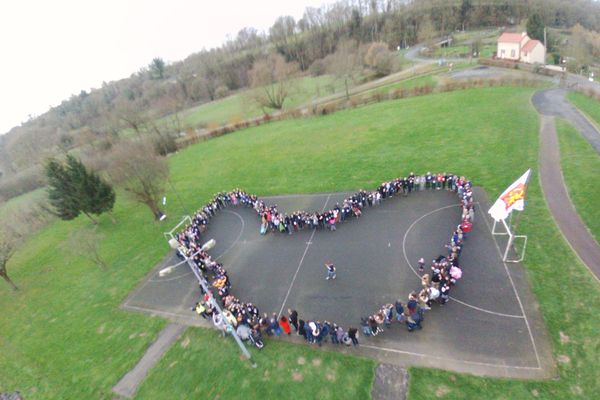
250,324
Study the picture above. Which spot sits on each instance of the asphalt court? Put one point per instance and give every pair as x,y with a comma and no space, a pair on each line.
490,325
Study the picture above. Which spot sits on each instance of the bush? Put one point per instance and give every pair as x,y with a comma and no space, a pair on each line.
221,91
164,144
23,182
318,67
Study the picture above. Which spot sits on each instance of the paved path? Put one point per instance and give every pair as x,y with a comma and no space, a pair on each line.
559,203
391,383
552,102
128,385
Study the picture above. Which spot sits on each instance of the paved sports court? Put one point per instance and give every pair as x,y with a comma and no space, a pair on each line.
490,326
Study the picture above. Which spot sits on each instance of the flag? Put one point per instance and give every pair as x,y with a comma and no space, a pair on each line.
513,198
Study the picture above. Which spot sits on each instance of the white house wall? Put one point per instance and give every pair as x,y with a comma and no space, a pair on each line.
508,48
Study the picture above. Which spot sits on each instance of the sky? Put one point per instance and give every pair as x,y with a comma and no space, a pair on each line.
53,49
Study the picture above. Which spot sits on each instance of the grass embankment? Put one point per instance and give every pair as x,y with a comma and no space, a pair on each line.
581,169
588,105
242,105
63,336
23,201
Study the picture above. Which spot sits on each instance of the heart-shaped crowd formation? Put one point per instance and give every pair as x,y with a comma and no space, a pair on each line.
436,285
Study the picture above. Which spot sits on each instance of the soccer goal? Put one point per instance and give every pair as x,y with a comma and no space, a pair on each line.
501,228
187,220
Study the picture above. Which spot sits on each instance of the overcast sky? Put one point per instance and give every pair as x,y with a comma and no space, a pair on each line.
51,49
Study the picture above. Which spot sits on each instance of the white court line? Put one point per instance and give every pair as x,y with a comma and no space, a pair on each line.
301,260
537,357
238,236
452,298
154,311
448,359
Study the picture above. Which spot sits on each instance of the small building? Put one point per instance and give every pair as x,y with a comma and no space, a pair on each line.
520,47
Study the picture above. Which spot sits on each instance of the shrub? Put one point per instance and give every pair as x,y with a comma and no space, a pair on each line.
25,181
318,67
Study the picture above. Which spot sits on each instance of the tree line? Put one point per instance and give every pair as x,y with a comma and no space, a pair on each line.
98,116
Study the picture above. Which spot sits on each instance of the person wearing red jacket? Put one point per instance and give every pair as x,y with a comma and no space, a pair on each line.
285,325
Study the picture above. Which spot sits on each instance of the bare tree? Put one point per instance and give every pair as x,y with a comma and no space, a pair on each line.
14,230
8,247
427,32
142,173
86,243
272,79
345,64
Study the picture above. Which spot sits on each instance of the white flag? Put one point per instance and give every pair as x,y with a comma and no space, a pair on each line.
512,198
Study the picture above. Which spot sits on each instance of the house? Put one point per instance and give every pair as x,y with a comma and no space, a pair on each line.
520,47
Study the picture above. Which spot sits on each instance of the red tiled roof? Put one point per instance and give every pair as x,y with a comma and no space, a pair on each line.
508,37
530,45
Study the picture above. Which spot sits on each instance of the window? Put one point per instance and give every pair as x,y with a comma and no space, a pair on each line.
512,53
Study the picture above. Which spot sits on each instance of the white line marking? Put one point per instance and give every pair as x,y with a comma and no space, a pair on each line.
448,359
173,278
537,357
301,260
418,276
157,312
239,234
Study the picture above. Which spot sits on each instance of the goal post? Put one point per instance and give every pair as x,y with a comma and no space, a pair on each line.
186,220
513,240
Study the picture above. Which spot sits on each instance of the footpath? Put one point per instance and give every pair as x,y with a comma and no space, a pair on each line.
551,103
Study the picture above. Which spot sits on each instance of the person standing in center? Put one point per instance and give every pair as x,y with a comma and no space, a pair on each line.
330,270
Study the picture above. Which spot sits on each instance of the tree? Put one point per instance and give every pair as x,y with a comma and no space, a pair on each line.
535,27
72,190
142,172
14,229
8,247
271,78
465,11
157,68
62,191
345,63
86,243
427,32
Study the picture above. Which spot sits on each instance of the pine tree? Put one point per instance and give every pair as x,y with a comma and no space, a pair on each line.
100,196
535,27
62,191
74,190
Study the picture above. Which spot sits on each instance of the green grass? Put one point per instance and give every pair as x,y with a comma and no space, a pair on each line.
63,336
23,201
242,106
588,105
191,370
463,50
581,169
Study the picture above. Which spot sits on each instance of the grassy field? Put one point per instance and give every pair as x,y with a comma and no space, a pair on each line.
464,50
191,370
241,106
581,169
63,336
589,106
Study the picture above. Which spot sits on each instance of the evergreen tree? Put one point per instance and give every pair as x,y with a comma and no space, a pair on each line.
74,190
535,27
62,191
100,196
